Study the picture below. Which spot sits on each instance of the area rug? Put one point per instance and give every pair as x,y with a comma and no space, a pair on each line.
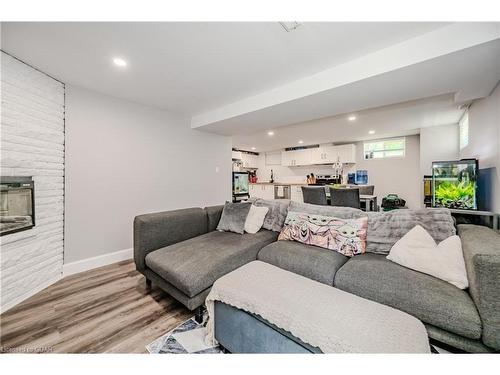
186,338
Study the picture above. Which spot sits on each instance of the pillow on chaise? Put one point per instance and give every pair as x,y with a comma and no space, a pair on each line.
255,219
233,217
346,236
275,217
386,228
418,251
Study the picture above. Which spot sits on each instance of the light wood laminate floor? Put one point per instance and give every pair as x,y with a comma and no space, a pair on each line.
105,310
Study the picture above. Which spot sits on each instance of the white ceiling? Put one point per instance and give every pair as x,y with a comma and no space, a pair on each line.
191,68
388,121
242,79
462,59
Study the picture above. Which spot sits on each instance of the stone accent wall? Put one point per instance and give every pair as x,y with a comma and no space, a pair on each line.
32,144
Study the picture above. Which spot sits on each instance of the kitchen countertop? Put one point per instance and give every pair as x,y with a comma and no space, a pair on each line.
280,183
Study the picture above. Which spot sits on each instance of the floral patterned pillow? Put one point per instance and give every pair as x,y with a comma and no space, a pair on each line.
346,236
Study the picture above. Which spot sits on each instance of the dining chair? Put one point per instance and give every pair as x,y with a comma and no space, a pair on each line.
366,189
314,195
344,197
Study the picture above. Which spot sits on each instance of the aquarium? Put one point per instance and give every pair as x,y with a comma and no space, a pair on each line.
454,184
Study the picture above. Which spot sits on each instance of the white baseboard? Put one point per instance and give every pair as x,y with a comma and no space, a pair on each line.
31,293
98,261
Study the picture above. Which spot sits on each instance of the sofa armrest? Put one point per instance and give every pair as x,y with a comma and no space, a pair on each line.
481,248
157,230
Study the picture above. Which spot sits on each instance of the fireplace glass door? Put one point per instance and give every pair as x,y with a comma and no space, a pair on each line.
16,204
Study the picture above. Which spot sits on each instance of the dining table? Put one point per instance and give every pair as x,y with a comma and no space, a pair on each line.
370,201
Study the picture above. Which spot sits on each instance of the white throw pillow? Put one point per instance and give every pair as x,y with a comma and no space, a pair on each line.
255,218
418,251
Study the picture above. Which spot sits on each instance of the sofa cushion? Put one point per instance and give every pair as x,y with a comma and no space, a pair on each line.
156,230
431,300
234,216
193,265
481,248
313,262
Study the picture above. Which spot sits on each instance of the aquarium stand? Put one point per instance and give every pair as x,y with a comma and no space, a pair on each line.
486,218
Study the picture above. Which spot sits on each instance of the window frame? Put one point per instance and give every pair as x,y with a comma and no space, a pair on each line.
463,124
384,150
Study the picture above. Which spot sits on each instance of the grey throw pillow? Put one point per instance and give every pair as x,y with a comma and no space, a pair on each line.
233,217
278,209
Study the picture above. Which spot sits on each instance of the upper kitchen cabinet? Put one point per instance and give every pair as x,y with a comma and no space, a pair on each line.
324,155
250,161
296,158
236,155
347,153
328,154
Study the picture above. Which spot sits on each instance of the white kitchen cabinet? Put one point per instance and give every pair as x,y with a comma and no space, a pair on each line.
296,158
268,191
316,156
347,153
273,158
324,155
264,191
252,190
296,193
250,161
236,155
287,158
327,154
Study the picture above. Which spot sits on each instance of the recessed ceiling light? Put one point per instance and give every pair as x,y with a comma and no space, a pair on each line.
119,62
253,148
270,133
351,118
371,132
300,142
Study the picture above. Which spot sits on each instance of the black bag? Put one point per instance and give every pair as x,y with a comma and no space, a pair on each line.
392,202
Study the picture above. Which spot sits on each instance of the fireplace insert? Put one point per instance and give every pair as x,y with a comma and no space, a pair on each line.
17,204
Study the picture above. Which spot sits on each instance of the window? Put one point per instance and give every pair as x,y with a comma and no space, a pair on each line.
386,148
464,130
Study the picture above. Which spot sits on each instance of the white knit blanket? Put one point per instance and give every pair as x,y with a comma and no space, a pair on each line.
318,314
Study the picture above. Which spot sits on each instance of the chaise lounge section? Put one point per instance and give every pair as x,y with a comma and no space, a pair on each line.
183,254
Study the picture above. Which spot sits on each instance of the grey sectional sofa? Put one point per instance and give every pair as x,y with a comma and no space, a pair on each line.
182,253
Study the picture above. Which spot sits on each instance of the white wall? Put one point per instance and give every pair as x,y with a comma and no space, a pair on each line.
399,176
484,138
396,175
32,144
125,159
438,143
